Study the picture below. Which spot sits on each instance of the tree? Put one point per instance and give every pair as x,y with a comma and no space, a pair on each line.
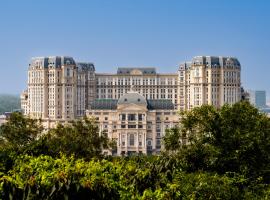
19,131
81,138
172,140
16,135
235,138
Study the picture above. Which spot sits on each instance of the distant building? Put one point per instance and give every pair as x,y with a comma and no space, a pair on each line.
266,110
244,94
257,98
3,119
25,105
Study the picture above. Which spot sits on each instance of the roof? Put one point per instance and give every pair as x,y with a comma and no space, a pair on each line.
138,70
85,66
132,97
104,104
51,61
160,104
212,62
153,104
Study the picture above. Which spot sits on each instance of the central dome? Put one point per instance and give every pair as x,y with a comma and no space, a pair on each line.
132,97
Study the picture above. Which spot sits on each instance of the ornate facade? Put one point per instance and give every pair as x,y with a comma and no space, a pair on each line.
136,124
60,90
209,80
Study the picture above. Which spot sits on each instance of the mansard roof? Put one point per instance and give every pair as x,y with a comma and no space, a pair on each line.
104,104
160,104
132,97
211,62
127,71
85,66
152,104
51,61
215,61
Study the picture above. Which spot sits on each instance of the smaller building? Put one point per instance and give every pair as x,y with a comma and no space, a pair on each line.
257,98
24,103
135,123
266,111
3,119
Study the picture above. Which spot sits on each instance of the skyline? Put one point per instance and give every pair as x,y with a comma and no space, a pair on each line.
119,33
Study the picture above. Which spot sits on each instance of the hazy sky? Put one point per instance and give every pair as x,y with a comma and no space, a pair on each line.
113,33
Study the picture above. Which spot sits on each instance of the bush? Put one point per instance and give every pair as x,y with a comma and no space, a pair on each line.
44,177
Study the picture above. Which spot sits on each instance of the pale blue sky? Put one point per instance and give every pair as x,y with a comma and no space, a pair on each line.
113,33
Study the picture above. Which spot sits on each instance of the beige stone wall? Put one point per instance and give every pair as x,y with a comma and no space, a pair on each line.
147,132
52,92
199,84
156,86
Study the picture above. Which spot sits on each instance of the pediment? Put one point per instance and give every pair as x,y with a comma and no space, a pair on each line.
136,72
131,107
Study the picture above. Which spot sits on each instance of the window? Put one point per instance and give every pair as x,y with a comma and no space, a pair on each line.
131,117
68,72
140,117
132,126
106,118
123,126
140,126
123,117
131,139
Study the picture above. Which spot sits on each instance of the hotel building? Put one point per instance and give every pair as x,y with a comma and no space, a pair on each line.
134,105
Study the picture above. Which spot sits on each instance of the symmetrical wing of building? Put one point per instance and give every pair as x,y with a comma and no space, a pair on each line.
134,105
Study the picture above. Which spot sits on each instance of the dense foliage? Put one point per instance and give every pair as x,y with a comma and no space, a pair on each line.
225,155
9,103
130,178
233,139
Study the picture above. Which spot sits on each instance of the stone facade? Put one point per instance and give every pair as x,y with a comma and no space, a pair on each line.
146,81
135,123
209,80
60,90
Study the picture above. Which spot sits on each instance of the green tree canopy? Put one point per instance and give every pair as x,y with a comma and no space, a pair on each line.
19,131
234,138
81,138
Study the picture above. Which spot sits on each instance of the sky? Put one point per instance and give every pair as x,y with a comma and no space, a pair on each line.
134,33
